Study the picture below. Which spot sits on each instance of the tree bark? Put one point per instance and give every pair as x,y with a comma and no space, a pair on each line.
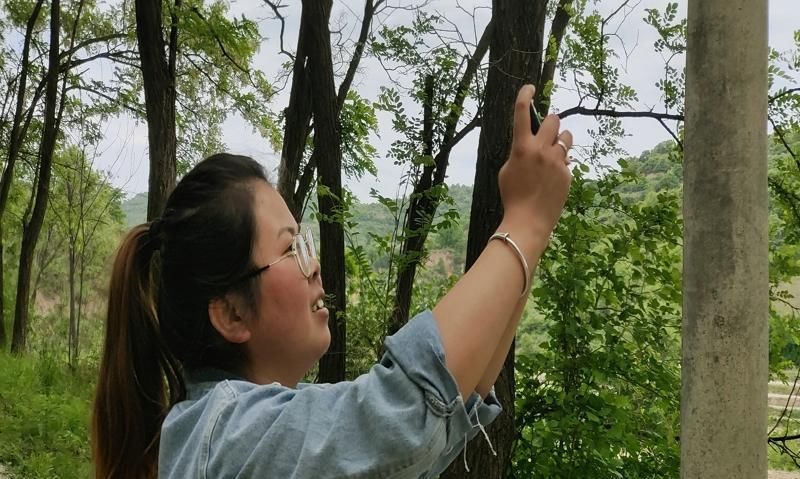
328,151
47,147
16,136
158,75
725,267
515,59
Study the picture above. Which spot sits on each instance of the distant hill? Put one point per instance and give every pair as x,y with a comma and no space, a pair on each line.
135,210
371,217
660,170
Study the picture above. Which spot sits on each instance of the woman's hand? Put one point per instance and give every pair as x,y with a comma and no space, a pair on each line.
534,182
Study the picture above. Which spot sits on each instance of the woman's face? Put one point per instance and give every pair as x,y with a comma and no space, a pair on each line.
288,334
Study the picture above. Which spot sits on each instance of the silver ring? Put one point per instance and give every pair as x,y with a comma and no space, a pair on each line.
563,146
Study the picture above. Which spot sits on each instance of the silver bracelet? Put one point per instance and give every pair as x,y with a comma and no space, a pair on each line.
526,271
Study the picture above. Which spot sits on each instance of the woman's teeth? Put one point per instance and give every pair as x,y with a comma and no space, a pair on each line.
318,305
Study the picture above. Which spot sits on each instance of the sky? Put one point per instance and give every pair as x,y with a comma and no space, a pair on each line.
124,150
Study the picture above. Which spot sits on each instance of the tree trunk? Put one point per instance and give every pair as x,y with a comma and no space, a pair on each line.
293,185
515,58
47,146
79,314
16,137
158,75
328,151
557,30
297,129
73,333
725,287
418,220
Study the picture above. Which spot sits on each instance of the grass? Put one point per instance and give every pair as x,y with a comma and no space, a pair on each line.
44,418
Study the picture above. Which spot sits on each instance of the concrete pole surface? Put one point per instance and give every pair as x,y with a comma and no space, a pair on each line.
725,300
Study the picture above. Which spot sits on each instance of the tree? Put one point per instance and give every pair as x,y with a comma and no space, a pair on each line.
297,167
20,122
88,30
313,64
429,186
83,208
158,75
515,56
52,119
328,153
725,332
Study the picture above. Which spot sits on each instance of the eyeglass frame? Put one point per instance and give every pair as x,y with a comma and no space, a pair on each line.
308,238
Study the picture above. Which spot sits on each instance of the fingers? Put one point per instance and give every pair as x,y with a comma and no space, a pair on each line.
564,142
566,137
549,130
548,136
522,113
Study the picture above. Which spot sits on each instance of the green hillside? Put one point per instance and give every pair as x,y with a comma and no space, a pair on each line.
655,170
135,209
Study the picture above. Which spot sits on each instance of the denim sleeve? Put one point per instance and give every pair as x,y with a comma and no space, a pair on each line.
403,419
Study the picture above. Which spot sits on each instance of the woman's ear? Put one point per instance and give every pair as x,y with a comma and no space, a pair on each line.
227,319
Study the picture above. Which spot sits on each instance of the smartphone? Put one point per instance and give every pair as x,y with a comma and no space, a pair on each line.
536,120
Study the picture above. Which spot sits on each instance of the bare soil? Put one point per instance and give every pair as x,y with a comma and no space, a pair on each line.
783,475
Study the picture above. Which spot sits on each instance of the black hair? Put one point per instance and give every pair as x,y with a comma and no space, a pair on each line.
157,326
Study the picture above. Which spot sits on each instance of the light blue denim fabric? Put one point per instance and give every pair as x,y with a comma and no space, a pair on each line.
402,420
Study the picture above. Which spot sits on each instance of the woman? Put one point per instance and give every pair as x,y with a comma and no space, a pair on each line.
216,312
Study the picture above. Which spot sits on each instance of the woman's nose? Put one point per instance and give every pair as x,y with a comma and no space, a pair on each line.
316,268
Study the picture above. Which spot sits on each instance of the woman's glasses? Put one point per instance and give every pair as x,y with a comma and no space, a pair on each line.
304,252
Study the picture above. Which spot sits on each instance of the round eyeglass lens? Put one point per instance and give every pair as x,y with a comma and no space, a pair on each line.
301,250
312,248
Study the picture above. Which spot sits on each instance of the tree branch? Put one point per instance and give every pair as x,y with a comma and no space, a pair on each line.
366,22
113,56
222,45
580,110
173,39
474,123
113,100
276,8
792,437
81,45
784,93
557,30
786,407
463,85
786,145
672,133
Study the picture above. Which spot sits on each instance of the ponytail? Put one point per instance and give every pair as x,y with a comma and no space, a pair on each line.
139,379
157,324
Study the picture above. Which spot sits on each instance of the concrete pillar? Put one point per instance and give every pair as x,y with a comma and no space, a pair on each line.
725,302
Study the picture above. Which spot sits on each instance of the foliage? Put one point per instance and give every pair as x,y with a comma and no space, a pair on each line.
600,398
44,429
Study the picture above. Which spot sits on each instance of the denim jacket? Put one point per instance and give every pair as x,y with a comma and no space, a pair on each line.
404,419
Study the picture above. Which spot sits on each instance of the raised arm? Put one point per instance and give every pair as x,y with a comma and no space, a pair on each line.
478,317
